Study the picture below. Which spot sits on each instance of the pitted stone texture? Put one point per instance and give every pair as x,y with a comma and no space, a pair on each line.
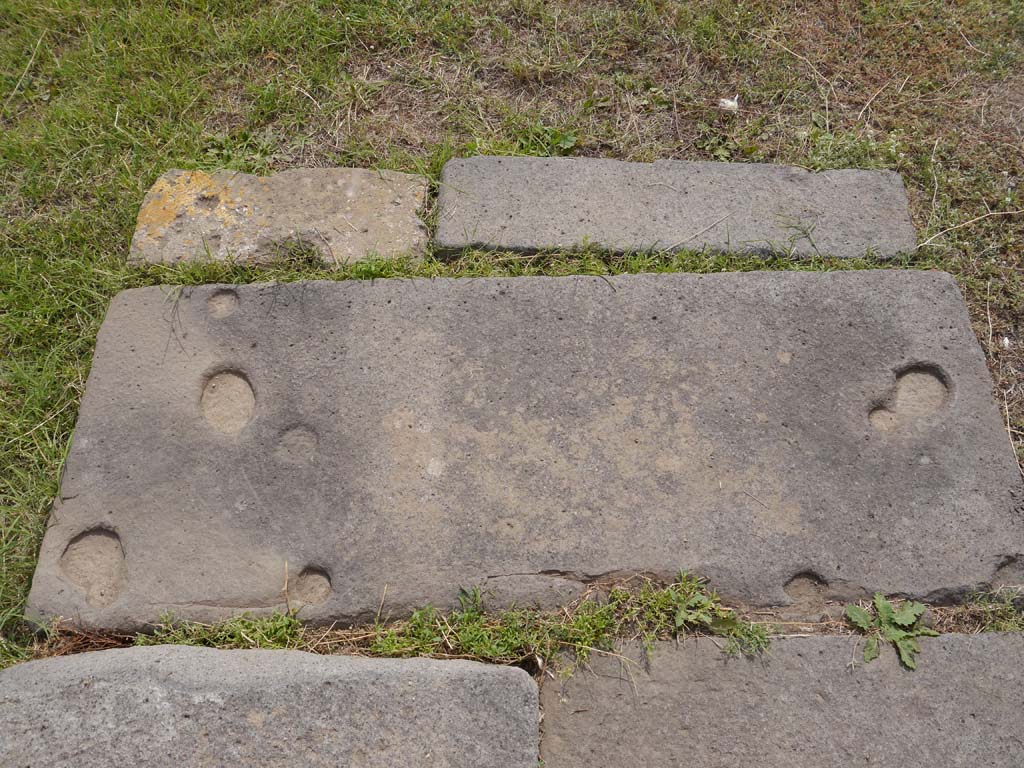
404,438
345,214
179,706
802,706
535,203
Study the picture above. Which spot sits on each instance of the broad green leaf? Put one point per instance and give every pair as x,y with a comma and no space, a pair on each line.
883,608
907,648
871,649
925,632
908,614
682,615
859,617
893,633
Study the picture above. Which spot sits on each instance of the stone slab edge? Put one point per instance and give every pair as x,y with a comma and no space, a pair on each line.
808,703
262,507
177,705
528,204
342,214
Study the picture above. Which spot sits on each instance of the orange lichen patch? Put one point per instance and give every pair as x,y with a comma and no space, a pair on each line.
189,193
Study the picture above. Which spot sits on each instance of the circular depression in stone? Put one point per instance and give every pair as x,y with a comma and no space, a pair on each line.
222,303
312,587
227,402
94,562
921,391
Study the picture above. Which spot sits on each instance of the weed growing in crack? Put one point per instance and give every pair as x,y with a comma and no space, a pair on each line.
685,607
277,631
899,626
637,610
1001,610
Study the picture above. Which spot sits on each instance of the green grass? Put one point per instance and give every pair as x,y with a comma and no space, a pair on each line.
98,98
1001,610
643,611
280,631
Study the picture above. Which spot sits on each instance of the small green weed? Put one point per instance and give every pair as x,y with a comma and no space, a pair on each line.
685,606
900,626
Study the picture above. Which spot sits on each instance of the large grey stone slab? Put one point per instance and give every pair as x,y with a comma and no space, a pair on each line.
534,203
344,214
177,706
339,444
801,707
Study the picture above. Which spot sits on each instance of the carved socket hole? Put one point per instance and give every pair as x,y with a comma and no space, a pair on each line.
227,402
920,392
94,562
312,587
807,590
222,303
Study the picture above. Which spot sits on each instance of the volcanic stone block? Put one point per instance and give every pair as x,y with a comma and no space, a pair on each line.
800,707
345,214
331,445
175,706
534,203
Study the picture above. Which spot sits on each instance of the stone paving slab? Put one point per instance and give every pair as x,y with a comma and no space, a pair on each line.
802,707
177,706
535,203
336,445
345,214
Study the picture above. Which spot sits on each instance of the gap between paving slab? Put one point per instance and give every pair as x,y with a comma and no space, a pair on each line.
175,705
801,706
327,445
537,203
342,214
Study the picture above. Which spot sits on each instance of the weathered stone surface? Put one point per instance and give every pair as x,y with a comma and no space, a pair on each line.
534,203
801,707
176,706
340,443
346,214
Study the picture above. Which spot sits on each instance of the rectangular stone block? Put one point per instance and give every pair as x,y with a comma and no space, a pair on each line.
175,706
344,214
327,446
535,203
800,707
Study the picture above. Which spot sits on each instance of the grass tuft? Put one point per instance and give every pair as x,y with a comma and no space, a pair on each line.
1000,610
639,609
277,631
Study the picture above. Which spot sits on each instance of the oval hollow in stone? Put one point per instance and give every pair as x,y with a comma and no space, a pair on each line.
227,402
312,587
920,391
94,562
806,587
222,303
